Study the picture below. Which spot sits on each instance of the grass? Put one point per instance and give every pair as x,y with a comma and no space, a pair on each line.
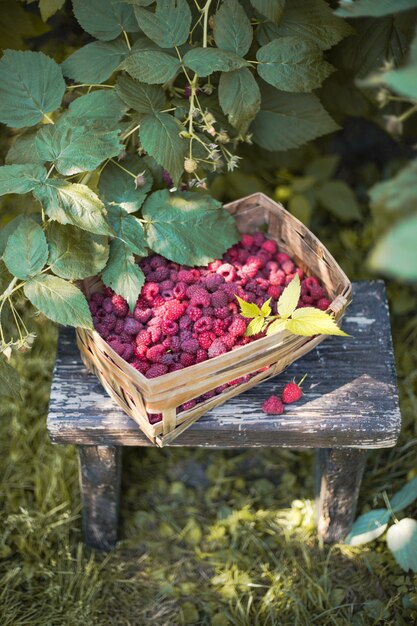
210,538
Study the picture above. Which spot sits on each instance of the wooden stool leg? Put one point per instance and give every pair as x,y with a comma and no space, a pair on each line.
339,476
100,473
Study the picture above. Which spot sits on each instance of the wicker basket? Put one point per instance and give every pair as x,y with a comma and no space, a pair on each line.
264,358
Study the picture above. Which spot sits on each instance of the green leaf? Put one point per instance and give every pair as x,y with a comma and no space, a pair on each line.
31,85
21,178
405,496
122,274
128,229
314,22
73,149
309,321
272,9
266,308
276,327
239,98
248,309
373,8
323,167
403,81
71,203
151,66
104,108
118,188
205,61
395,254
9,380
301,207
75,254
289,120
48,8
95,62
402,541
169,25
189,228
140,97
368,527
105,19
338,198
289,298
292,64
232,29
255,326
23,150
399,193
59,300
26,251
160,137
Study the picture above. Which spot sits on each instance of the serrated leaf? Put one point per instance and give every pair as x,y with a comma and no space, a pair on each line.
160,137
9,380
75,254
26,251
59,300
169,25
266,308
140,97
405,496
248,309
239,98
71,203
289,298
104,108
122,274
95,62
189,228
255,326
11,226
368,527
128,229
338,198
373,8
276,327
31,85
49,8
232,29
205,61
402,541
292,64
117,187
23,150
105,19
314,22
398,193
73,149
309,321
272,9
403,81
289,120
21,178
395,254
151,66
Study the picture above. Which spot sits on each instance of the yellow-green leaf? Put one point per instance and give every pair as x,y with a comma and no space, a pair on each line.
309,321
277,327
289,298
266,309
248,309
255,326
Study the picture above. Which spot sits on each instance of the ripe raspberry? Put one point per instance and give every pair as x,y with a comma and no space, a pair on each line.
175,343
238,327
173,310
168,359
323,304
102,330
187,359
306,300
128,351
213,281
156,261
291,393
288,267
167,294
251,267
185,322
108,292
214,265
156,333
185,335
117,346
281,257
310,282
207,311
93,307
109,321
274,291
201,355
154,418
219,299
258,239
190,404
277,278
198,296
262,283
169,327
203,324
155,353
186,276
243,256
217,348
232,306
317,293
232,290
108,305
142,315
300,273
229,340
208,395
144,338
194,313
180,290
221,388
131,326
140,366
219,326
161,274
176,367
222,312
273,406
227,271
239,381
190,345
98,297
270,246
173,275
120,306
156,370
149,291
206,339
246,240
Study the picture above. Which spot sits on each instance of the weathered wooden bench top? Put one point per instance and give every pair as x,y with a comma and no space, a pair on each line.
350,399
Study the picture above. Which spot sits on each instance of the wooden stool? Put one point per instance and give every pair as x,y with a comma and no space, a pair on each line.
350,405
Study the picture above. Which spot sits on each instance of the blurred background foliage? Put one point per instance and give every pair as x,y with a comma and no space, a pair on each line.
247,553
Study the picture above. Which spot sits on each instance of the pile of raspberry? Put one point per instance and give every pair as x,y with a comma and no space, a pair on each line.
186,315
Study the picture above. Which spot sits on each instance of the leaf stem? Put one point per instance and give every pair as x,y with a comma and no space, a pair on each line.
389,507
51,169
130,132
90,85
127,39
123,168
205,22
51,121
408,113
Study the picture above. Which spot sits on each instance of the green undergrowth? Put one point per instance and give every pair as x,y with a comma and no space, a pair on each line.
215,538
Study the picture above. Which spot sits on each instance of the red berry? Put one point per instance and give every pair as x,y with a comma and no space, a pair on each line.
273,406
292,392
156,370
173,310
323,304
